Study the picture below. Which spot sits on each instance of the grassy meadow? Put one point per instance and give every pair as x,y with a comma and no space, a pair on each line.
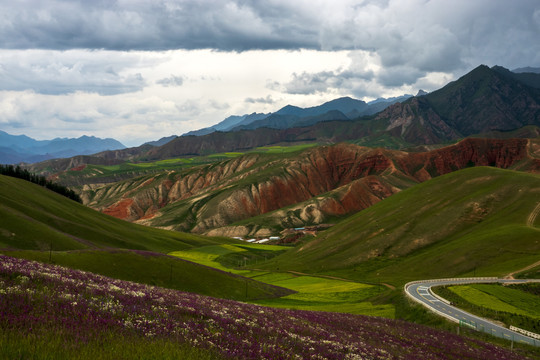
310,292
471,222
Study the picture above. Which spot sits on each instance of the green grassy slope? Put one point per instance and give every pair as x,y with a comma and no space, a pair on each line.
159,270
33,220
470,222
310,292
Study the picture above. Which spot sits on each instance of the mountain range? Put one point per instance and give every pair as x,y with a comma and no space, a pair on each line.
262,194
488,102
21,148
344,108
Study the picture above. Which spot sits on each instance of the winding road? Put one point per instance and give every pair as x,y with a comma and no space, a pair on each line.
420,291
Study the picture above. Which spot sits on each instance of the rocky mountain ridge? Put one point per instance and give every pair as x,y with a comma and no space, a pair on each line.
310,188
486,101
344,108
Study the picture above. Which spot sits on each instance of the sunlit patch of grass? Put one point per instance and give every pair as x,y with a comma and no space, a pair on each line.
226,155
276,149
323,294
313,293
209,255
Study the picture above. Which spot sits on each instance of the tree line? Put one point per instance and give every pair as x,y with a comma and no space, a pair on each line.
20,173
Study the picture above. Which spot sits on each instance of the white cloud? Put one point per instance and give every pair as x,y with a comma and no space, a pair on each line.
171,81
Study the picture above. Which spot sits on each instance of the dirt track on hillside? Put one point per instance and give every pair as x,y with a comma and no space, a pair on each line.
532,217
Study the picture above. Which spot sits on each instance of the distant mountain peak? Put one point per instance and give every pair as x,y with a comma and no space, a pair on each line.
421,93
528,69
21,148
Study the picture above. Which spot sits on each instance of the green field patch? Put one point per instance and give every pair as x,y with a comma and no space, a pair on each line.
313,293
277,149
226,155
229,257
159,270
322,294
273,277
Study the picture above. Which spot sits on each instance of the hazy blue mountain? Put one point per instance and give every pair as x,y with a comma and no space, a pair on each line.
528,78
248,119
228,124
161,141
344,105
18,141
391,100
21,148
527,69
278,121
344,108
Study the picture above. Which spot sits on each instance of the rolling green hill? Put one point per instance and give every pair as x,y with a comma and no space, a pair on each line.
32,218
39,224
475,221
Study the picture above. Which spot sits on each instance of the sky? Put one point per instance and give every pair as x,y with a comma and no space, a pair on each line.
139,70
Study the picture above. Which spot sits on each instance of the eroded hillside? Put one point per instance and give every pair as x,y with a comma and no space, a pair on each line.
276,192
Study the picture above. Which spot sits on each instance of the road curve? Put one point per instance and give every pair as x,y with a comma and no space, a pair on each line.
420,291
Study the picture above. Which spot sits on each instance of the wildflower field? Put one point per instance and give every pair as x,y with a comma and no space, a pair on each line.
45,307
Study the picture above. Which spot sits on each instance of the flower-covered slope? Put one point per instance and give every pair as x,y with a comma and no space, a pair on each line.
38,297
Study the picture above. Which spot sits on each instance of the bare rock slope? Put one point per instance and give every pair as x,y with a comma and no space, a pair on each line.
255,192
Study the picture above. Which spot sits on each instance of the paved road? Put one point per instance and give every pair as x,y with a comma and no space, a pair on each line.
420,291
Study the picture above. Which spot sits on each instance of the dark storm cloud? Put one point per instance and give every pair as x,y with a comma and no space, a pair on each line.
418,35
151,25
231,25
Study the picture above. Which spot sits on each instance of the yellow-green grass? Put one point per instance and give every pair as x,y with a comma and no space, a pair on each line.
277,149
312,293
133,169
226,155
500,298
271,149
209,255
323,294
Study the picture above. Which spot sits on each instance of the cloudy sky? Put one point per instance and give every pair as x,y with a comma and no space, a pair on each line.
138,70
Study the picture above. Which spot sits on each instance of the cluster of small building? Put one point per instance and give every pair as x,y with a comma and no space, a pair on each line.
258,241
